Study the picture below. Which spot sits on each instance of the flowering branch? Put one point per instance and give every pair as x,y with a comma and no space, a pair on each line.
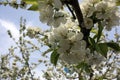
79,16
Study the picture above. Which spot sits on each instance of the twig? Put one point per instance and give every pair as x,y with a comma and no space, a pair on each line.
74,17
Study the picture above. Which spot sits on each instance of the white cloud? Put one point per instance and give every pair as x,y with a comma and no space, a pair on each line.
10,26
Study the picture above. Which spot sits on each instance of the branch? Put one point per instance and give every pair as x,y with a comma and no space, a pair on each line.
74,17
79,15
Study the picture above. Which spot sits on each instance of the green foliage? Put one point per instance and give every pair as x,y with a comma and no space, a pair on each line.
118,3
114,46
100,29
34,4
91,41
34,7
93,30
54,57
30,1
102,48
84,67
92,44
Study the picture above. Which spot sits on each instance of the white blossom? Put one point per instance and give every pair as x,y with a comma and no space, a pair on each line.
94,58
49,14
87,9
57,4
105,11
46,14
88,23
58,18
64,45
67,39
33,31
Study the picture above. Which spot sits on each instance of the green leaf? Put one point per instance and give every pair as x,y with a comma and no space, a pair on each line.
33,8
94,31
31,1
84,66
54,57
100,29
102,48
92,44
34,4
91,41
114,46
118,3
47,51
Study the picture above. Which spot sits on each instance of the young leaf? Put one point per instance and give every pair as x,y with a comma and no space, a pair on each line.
114,46
94,31
31,1
100,29
34,4
34,7
118,3
54,57
47,51
102,48
92,44
84,66
91,41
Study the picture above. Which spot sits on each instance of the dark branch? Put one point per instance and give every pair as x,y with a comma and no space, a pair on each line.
78,12
79,15
74,17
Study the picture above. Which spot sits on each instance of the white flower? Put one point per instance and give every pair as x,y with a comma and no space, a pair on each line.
60,32
51,37
46,14
49,14
102,5
57,4
64,46
58,18
79,47
102,15
71,35
32,32
87,9
76,53
94,58
76,37
105,11
67,39
88,23
108,11
72,58
93,1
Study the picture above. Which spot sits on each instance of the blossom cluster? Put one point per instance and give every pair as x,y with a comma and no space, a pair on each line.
104,11
68,41
51,12
64,34
32,32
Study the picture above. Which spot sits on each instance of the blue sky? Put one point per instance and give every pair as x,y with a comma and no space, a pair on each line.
10,19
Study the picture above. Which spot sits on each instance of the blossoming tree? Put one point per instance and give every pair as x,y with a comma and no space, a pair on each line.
76,42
